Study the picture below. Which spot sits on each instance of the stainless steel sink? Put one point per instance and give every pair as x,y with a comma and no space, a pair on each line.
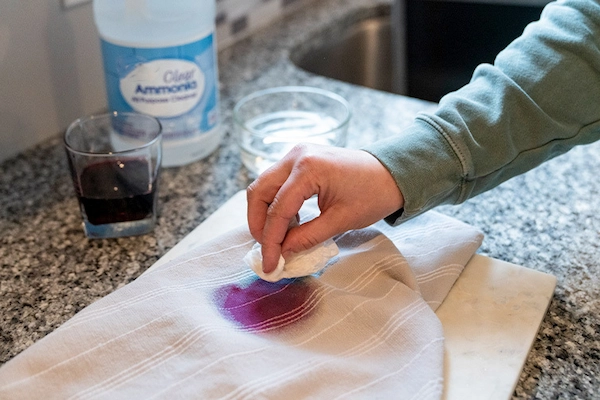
422,49
361,53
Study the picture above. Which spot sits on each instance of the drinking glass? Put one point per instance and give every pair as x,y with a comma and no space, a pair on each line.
115,160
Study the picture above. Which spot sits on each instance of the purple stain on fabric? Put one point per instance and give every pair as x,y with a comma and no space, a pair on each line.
262,306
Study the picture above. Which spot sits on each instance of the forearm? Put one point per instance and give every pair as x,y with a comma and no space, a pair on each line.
538,100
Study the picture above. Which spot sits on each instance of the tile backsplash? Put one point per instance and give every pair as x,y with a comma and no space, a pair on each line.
237,19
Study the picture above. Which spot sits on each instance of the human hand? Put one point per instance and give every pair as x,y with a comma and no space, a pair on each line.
354,191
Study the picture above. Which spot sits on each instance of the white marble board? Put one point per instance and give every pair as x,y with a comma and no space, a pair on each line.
490,317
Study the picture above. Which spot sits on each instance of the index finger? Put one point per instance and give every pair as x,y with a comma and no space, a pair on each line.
283,208
261,193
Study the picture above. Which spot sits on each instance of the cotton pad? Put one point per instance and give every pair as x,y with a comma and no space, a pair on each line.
299,264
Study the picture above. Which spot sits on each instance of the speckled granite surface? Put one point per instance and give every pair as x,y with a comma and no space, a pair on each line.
546,219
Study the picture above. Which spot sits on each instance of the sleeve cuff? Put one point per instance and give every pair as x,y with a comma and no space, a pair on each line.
425,167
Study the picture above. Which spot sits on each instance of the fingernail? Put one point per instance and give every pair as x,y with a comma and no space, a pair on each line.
268,270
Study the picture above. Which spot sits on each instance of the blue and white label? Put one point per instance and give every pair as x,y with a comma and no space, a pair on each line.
178,85
163,88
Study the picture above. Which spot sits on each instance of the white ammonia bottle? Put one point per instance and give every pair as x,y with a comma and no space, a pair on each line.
160,59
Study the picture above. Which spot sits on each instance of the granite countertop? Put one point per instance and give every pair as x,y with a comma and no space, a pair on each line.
545,220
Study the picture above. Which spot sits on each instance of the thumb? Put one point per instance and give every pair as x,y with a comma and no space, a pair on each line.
309,234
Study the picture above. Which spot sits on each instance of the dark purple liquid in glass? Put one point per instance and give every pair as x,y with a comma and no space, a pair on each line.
117,191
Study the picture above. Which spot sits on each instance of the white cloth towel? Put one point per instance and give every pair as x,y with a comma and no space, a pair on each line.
205,326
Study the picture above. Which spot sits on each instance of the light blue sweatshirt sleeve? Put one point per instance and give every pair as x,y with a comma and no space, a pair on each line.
539,99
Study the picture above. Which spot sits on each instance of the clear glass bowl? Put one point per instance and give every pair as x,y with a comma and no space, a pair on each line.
268,123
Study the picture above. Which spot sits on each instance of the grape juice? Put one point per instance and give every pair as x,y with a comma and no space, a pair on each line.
117,191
